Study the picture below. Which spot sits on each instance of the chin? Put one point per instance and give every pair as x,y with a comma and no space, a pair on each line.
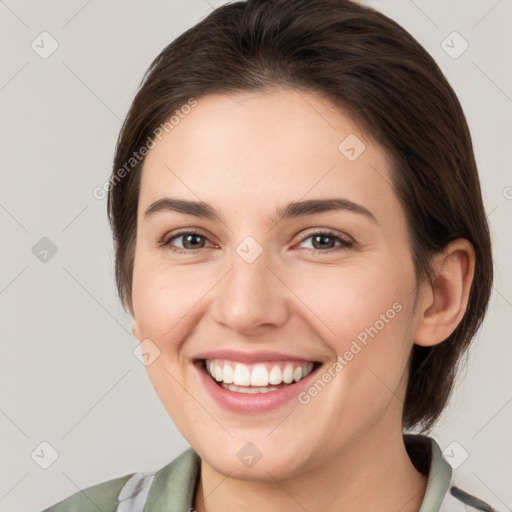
258,461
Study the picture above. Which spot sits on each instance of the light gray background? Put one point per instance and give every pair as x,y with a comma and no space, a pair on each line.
68,373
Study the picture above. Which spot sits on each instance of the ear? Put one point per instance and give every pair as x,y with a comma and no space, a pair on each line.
443,302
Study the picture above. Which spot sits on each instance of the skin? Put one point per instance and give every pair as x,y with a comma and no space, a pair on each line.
246,155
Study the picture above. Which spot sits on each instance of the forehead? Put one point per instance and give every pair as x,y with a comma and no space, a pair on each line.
261,150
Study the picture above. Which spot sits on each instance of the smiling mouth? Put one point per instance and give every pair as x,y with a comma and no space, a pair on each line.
260,377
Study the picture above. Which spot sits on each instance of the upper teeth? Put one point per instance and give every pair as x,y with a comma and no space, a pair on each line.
258,374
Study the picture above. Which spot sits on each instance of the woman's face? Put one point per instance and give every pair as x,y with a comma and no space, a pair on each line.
263,289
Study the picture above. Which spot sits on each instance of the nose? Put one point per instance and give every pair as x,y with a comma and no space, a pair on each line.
252,297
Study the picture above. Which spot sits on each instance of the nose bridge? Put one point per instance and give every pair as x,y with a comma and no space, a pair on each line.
250,295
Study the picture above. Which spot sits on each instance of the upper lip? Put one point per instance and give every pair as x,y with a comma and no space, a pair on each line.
251,357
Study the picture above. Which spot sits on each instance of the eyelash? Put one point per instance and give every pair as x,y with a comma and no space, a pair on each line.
345,244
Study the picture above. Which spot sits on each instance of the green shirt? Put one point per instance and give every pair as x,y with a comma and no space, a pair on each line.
173,487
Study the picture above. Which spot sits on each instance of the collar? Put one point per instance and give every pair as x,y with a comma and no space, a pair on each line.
427,457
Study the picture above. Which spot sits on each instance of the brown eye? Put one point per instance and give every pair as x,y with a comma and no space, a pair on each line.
322,241
191,241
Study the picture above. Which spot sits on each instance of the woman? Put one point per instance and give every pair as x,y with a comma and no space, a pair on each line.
301,242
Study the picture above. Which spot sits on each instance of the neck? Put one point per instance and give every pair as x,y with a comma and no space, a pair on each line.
373,473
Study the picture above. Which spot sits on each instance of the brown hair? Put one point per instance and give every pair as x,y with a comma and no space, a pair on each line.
374,70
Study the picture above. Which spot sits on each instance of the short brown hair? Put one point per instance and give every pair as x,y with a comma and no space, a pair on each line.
374,70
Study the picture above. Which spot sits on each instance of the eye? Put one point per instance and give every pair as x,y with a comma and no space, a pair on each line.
191,241
324,240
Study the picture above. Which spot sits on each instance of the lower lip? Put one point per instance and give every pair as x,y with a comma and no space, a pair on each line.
253,402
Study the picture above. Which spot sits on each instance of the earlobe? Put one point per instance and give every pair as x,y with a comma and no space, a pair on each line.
443,306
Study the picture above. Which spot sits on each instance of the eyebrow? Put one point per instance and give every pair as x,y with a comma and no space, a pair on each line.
291,210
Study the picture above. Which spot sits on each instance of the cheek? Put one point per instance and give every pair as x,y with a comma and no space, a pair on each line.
364,313
364,316
164,296
350,300
163,303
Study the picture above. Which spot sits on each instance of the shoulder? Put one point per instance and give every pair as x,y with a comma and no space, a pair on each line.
102,496
464,492
465,495
458,500
449,488
173,485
